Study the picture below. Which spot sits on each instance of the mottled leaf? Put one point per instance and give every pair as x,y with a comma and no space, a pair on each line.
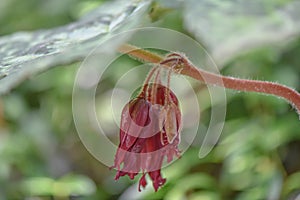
24,54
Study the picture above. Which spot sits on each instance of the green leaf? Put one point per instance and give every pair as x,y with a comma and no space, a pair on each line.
74,185
291,184
64,187
38,186
25,54
191,182
228,28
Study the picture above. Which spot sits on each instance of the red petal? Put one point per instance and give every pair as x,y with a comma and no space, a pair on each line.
142,182
157,179
135,116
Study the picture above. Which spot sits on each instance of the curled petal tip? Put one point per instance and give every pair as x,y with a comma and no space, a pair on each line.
142,182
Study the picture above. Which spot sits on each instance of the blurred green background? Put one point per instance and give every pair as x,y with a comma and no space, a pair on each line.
41,156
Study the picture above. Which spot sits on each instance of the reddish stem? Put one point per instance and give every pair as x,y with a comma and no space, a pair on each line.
189,69
245,85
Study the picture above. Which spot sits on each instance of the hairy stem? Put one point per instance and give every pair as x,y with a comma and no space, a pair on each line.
189,69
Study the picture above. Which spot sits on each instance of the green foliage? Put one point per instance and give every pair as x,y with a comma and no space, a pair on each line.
41,155
36,14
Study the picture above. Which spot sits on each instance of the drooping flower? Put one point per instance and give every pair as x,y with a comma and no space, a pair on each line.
149,132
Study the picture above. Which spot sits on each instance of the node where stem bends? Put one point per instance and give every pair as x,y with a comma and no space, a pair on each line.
180,64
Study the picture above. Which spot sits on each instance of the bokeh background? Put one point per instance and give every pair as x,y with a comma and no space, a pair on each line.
41,156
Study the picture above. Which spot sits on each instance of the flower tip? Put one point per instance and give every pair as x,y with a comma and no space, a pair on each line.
157,179
131,176
117,176
142,182
156,185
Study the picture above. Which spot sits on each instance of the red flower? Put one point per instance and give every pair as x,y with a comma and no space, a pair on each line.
149,132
